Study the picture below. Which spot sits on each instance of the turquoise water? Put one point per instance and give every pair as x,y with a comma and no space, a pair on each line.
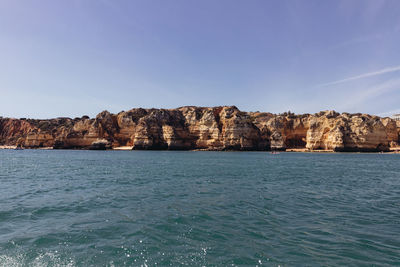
153,208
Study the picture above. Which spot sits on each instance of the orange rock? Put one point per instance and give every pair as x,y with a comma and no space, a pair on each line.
206,128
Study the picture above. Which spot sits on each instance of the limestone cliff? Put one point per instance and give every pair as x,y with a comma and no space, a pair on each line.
215,128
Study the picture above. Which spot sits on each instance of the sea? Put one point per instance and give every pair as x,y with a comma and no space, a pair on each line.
197,208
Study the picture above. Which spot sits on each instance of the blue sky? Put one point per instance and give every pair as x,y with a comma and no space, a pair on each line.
77,57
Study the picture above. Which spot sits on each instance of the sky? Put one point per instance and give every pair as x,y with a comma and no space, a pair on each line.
70,58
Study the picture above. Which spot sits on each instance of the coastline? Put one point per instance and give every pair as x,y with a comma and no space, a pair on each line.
8,147
394,150
124,148
221,128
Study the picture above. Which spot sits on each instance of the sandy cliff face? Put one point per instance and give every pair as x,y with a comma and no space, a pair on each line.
282,131
13,131
215,128
350,132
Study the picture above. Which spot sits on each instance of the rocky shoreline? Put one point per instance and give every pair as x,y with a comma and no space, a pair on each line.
127,148
206,128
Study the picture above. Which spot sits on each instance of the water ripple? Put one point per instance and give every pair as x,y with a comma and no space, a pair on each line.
110,208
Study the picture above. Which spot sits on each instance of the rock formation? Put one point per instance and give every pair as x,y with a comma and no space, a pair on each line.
216,128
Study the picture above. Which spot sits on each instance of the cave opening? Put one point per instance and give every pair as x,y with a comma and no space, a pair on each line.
296,142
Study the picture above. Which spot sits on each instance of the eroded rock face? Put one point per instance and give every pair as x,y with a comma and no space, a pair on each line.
214,128
346,132
13,131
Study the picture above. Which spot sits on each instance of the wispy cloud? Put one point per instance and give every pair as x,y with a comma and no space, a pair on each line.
362,97
373,9
362,76
368,10
389,113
